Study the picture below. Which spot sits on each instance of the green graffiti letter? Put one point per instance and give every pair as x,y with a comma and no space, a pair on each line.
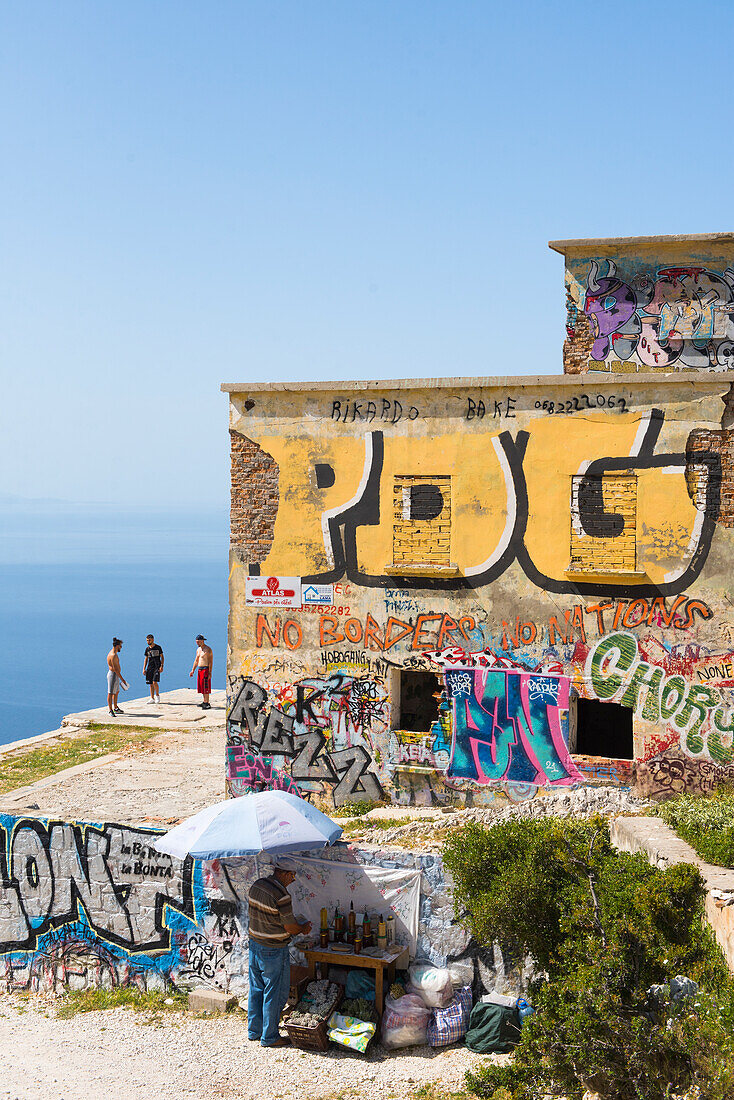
694,713
644,676
610,662
672,696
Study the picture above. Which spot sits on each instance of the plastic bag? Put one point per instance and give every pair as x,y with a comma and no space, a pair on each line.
448,1025
360,984
405,1022
462,973
432,983
493,1029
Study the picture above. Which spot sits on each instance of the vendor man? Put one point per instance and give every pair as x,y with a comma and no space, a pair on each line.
271,926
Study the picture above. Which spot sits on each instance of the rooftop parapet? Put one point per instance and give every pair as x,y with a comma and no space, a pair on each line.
649,304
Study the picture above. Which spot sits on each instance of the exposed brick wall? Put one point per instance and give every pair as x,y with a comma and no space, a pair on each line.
618,553
417,540
721,443
578,342
254,499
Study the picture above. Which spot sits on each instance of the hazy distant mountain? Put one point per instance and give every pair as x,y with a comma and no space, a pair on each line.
11,503
36,530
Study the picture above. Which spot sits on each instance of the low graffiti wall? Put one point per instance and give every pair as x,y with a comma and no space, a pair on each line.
88,904
85,904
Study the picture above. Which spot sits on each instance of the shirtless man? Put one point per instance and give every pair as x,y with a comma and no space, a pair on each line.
203,662
114,677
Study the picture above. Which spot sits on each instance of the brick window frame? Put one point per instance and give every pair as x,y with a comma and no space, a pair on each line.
611,499
421,522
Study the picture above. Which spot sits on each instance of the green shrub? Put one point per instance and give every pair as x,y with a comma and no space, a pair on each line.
706,822
602,926
358,808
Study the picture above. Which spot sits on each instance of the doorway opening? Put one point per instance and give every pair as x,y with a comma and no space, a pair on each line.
419,700
603,729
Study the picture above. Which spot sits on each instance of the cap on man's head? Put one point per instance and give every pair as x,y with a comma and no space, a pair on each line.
200,638
117,641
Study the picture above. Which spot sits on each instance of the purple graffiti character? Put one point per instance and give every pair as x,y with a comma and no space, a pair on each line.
610,306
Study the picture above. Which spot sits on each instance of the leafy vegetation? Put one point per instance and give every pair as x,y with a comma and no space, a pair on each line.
19,769
431,1091
100,1000
603,927
358,808
374,823
706,822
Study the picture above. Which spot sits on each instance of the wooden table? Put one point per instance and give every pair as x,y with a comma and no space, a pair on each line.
334,955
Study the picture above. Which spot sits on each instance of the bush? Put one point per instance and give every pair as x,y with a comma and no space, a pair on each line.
358,808
602,926
706,822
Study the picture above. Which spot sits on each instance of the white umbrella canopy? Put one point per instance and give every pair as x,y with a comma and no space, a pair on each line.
268,821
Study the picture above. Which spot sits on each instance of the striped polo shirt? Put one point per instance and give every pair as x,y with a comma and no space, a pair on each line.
270,910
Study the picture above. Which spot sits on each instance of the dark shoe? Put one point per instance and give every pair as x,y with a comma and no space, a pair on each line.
283,1041
206,706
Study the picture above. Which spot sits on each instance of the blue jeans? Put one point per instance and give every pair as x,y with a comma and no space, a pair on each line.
270,981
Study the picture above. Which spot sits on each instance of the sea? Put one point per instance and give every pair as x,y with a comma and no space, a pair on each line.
72,576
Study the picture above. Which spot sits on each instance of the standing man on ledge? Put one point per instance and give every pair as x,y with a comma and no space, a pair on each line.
153,667
203,662
271,926
114,677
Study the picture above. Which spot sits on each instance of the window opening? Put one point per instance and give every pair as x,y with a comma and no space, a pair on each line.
420,695
603,729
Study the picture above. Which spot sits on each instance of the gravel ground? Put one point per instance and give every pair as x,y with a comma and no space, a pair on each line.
136,1056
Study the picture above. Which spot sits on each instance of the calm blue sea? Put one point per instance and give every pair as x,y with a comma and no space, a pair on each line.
135,574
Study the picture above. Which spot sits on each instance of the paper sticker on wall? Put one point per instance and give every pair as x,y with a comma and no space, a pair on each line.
318,593
717,670
273,592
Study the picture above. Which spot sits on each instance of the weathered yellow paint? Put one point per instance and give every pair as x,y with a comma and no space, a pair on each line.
298,546
535,612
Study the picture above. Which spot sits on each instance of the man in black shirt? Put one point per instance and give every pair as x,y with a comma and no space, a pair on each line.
152,668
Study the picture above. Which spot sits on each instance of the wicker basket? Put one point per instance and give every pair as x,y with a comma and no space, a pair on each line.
314,1038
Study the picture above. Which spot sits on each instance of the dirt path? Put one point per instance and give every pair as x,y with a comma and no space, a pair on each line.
136,1056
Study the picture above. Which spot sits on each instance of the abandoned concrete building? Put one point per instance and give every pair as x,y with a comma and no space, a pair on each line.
443,590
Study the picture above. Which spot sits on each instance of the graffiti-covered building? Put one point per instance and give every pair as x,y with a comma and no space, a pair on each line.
657,304
444,589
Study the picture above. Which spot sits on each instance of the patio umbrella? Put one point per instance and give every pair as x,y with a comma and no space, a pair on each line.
268,821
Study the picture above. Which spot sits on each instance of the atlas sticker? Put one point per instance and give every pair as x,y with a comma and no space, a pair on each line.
318,593
273,592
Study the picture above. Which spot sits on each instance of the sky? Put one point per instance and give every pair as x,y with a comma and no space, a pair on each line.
195,193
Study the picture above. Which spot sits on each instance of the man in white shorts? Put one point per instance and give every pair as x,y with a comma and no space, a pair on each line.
114,677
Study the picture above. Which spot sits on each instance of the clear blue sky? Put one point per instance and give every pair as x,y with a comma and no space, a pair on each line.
300,189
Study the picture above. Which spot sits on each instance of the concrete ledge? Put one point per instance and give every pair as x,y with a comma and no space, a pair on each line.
178,710
704,382
32,742
210,1000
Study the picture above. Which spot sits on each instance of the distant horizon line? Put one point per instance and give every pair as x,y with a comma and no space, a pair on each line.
18,500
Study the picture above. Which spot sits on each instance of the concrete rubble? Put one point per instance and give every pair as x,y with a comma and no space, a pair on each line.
581,802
